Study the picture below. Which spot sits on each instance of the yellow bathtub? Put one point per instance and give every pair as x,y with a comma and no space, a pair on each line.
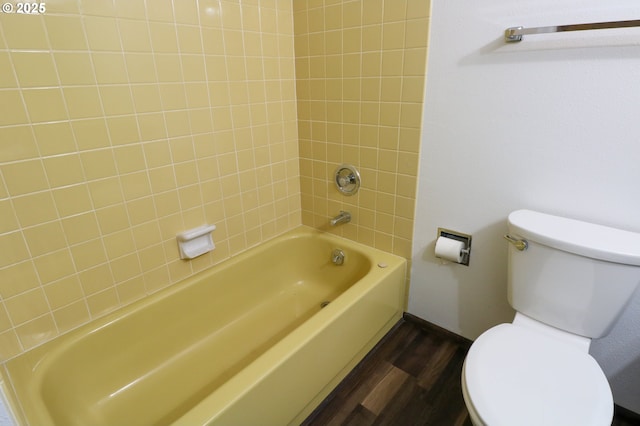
247,342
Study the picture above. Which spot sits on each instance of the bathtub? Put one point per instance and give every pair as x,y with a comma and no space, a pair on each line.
250,341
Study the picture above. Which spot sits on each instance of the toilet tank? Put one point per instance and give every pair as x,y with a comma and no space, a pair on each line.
573,275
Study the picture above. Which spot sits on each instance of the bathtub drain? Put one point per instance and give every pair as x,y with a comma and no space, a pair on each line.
325,303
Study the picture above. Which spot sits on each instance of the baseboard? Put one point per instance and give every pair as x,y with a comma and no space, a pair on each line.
626,415
426,325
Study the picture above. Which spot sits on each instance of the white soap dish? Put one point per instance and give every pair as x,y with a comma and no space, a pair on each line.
196,241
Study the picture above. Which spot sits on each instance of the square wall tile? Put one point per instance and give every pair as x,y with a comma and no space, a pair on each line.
24,32
25,177
65,32
83,102
127,122
12,109
18,278
34,69
54,138
18,143
373,105
45,104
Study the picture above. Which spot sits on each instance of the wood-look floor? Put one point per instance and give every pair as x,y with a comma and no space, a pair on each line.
412,377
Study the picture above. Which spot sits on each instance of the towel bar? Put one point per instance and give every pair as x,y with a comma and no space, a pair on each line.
514,34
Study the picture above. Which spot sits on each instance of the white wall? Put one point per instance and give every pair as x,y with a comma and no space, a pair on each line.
550,124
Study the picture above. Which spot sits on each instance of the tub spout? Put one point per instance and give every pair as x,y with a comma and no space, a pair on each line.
343,217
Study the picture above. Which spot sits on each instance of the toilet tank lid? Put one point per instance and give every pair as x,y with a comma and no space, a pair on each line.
578,237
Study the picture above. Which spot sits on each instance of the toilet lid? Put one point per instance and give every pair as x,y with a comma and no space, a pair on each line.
518,376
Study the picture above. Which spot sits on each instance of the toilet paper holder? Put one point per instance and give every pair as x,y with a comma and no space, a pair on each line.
465,239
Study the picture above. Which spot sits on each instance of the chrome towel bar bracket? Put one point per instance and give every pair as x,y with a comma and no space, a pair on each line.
514,34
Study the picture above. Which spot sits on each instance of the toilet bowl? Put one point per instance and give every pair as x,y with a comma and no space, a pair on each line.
521,374
568,281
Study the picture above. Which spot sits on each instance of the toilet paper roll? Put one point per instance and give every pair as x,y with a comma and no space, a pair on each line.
449,249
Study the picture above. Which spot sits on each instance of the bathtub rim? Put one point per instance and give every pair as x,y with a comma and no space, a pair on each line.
244,381
41,356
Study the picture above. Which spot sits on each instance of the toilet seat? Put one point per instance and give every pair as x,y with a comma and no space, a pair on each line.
517,375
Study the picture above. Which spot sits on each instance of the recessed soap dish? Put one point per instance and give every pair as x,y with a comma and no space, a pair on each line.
195,242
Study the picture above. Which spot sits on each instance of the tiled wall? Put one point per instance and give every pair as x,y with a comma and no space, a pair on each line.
360,72
122,123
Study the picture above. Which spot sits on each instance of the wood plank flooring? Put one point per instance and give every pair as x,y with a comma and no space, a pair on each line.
412,377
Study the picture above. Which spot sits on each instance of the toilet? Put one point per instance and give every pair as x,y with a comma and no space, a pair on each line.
568,281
